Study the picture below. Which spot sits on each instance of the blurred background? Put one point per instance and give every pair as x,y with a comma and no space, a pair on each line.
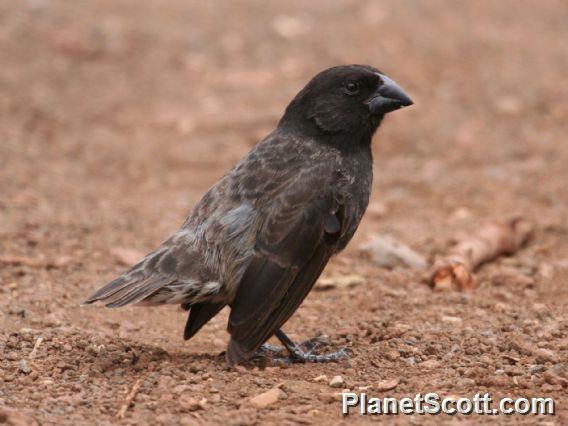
117,115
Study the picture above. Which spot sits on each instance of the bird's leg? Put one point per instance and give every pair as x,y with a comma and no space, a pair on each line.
267,349
299,355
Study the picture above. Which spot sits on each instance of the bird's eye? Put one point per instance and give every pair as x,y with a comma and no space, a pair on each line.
352,87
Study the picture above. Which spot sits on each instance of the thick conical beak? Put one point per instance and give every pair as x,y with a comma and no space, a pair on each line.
388,97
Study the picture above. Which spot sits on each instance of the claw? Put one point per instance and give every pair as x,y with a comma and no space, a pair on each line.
298,355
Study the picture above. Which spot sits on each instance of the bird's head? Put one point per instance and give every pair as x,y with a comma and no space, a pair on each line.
350,100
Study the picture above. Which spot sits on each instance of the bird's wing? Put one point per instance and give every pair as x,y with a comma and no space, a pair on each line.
292,248
199,315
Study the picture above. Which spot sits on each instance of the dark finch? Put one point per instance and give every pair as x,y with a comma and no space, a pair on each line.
261,236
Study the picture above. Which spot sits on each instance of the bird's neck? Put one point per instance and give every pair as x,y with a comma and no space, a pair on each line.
356,139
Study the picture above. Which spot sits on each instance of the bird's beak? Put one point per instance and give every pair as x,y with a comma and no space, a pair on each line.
388,97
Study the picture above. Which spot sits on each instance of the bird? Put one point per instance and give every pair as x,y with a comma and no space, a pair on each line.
260,237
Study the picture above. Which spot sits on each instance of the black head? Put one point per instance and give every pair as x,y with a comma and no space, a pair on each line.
346,100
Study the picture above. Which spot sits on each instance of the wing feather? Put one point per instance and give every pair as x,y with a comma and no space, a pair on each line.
199,314
291,252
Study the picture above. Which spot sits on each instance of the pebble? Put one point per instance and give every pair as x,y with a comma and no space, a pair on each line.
267,398
500,307
24,367
452,320
385,385
515,371
12,356
466,383
387,252
538,368
321,379
430,364
181,388
336,382
392,355
410,360
189,403
341,282
545,355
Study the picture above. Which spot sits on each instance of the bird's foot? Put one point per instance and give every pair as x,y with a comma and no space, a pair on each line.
297,353
269,351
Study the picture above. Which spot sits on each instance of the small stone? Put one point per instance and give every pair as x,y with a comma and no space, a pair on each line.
341,281
327,397
12,356
189,403
267,398
550,378
321,379
515,371
500,307
410,360
464,383
452,320
387,252
24,367
181,388
385,385
538,368
430,364
546,270
508,105
336,382
461,213
545,355
392,355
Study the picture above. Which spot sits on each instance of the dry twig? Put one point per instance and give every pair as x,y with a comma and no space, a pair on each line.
36,347
496,238
128,399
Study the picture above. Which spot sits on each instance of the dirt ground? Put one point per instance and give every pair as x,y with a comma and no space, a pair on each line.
115,116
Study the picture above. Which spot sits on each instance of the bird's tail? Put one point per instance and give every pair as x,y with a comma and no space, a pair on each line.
121,292
134,286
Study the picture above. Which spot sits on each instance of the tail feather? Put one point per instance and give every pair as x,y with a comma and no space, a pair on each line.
163,276
136,293
128,289
106,291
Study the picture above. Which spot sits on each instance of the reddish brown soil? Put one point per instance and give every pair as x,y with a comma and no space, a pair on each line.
115,116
